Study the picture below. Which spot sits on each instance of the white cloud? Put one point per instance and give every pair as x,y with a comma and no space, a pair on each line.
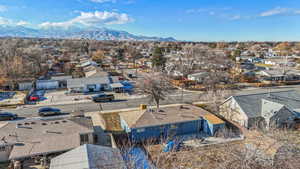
5,21
275,11
3,8
280,11
103,1
235,17
22,23
92,19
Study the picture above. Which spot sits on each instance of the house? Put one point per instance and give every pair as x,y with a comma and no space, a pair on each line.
199,77
35,137
25,85
169,121
97,72
88,63
62,80
91,84
46,84
265,110
272,75
89,156
279,75
95,84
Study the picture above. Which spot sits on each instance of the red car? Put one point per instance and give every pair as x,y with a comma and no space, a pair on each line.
33,98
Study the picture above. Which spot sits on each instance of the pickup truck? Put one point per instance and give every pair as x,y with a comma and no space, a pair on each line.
103,97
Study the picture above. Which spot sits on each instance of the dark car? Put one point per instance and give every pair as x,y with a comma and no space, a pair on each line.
49,111
103,97
7,116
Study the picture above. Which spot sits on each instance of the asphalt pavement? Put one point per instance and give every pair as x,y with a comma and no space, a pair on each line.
174,98
31,111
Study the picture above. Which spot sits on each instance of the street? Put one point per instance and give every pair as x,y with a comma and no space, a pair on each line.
174,98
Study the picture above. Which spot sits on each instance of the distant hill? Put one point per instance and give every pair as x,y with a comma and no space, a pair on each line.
76,33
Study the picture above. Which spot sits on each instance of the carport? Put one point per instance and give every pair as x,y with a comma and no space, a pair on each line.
117,87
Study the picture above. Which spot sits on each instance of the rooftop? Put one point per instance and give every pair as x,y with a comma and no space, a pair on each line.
252,103
89,157
36,137
166,115
80,82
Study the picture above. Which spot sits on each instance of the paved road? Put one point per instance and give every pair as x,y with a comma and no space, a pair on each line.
31,111
132,103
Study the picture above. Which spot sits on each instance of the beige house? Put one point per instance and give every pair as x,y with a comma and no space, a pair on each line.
273,109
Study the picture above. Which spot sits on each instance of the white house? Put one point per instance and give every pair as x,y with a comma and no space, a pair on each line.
47,84
199,77
26,85
91,84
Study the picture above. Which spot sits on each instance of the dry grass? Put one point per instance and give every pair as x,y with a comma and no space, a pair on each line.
257,151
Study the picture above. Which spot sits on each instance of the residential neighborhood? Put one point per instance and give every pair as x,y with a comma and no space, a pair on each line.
103,109
111,84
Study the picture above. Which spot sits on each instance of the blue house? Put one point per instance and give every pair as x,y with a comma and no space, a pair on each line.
169,121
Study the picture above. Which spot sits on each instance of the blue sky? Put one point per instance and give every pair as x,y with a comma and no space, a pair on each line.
196,20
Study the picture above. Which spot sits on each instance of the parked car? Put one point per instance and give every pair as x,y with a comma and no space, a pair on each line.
103,97
7,116
49,111
34,98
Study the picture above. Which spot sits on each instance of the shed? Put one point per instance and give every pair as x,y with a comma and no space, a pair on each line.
89,156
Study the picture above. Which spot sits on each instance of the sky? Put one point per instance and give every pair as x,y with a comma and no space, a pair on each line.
191,20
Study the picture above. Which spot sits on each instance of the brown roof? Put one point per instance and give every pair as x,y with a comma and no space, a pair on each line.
166,115
112,121
213,119
36,137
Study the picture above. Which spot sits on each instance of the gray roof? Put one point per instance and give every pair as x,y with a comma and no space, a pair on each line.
252,103
89,157
167,115
81,82
59,78
42,136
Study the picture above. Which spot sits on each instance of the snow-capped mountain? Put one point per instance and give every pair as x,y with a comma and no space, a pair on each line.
76,33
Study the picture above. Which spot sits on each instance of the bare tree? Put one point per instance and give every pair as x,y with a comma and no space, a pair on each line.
156,86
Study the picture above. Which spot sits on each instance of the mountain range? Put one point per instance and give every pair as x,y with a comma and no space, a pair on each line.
76,33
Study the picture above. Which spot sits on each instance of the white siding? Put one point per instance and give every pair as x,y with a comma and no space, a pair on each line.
25,85
48,84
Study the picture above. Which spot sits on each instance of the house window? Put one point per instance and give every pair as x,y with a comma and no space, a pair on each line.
140,130
84,138
2,148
